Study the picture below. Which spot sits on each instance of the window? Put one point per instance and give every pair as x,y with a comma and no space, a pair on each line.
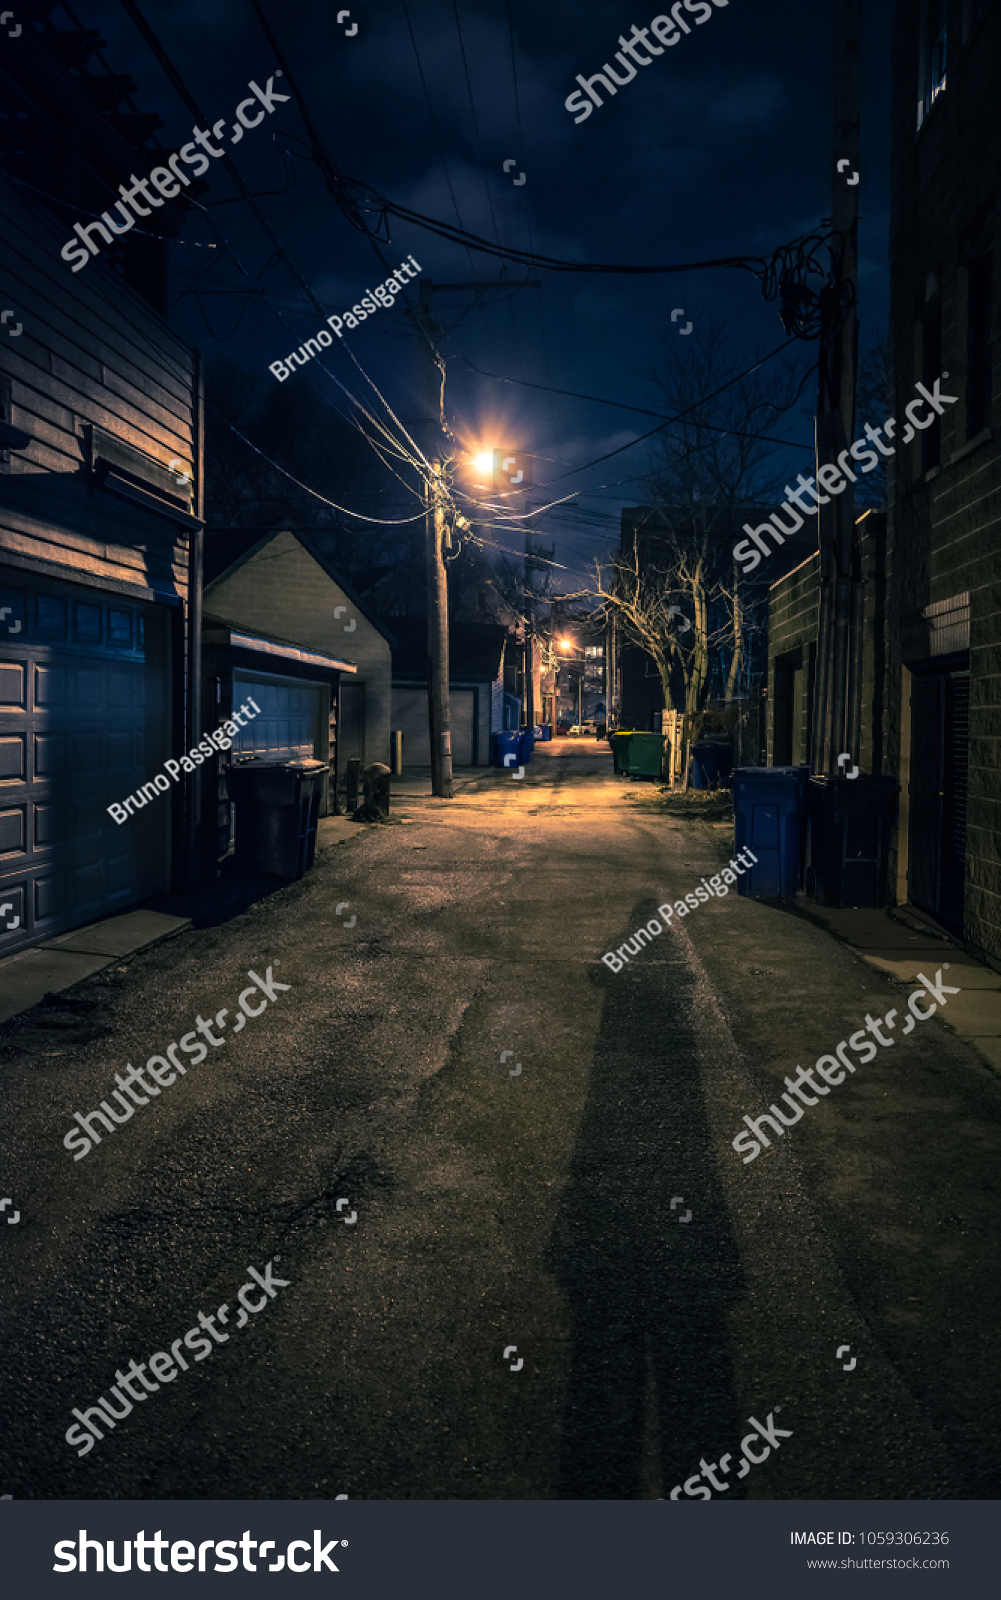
931,368
934,55
978,350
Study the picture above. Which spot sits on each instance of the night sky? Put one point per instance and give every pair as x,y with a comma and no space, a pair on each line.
718,147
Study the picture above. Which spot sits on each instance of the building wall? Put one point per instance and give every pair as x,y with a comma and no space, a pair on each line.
792,629
90,351
283,592
944,539
793,621
93,576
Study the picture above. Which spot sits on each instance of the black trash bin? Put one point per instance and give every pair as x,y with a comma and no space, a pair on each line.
849,821
277,810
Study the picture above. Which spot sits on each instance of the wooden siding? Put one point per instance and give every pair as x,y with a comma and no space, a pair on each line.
91,352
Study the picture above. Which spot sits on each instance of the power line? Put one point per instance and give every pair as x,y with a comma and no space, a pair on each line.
385,522
621,405
416,460
704,401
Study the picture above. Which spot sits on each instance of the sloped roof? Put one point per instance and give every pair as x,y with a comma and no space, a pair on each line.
228,549
476,649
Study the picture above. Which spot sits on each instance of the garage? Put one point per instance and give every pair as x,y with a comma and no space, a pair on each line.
84,721
410,714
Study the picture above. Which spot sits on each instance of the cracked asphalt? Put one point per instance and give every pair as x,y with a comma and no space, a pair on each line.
541,1210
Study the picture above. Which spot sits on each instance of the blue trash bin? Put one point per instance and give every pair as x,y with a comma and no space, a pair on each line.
507,742
526,745
545,732
768,820
712,763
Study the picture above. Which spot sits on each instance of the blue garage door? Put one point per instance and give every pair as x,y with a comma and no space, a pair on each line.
84,704
293,721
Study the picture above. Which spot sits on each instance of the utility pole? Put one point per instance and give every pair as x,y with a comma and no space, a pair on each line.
530,566
529,626
554,650
439,709
835,721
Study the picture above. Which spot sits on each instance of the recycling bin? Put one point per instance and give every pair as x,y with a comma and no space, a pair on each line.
544,732
712,763
850,821
507,742
768,804
277,810
526,744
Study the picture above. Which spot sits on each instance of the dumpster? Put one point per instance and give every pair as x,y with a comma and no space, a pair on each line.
616,741
506,743
526,744
619,741
767,818
277,810
643,754
850,821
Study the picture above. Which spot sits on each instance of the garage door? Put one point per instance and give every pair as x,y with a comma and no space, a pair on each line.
84,702
292,720
410,712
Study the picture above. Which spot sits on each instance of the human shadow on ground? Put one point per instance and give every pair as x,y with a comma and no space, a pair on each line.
648,1292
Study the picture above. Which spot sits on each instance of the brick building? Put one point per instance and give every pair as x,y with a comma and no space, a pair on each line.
929,712
792,653
943,562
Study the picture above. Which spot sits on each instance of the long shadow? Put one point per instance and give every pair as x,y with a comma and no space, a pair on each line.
648,1293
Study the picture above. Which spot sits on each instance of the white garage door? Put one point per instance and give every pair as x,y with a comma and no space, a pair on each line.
84,703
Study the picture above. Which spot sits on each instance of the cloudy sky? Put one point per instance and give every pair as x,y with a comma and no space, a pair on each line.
719,147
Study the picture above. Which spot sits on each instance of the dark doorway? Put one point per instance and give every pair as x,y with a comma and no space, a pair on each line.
791,718
940,722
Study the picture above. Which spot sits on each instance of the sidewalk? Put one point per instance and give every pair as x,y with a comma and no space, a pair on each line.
901,943
58,964
49,968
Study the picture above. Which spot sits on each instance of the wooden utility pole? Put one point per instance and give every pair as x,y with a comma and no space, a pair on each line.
834,723
439,709
529,632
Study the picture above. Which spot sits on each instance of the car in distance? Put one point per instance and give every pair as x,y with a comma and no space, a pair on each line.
582,729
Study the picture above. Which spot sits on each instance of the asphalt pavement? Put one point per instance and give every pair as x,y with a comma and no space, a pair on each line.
513,1253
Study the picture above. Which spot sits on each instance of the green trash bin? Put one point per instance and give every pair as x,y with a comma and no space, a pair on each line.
619,741
644,755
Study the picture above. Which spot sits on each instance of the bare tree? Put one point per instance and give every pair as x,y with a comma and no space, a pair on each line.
674,587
